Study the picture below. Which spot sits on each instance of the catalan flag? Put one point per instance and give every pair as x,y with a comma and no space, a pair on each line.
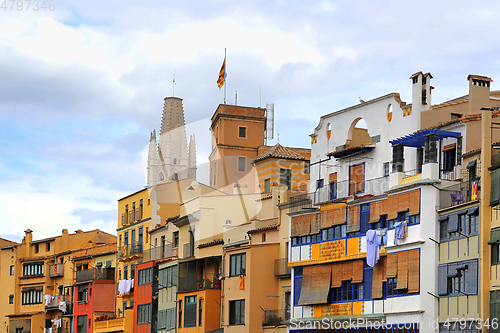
242,282
222,75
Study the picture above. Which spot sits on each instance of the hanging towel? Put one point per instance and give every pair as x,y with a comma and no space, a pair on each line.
372,251
398,231
47,299
62,307
121,287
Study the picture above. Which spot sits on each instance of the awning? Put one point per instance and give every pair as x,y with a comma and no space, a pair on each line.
471,164
417,139
315,284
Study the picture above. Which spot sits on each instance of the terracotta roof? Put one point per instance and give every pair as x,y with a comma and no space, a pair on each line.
479,77
459,100
214,242
351,150
24,314
278,151
270,227
471,117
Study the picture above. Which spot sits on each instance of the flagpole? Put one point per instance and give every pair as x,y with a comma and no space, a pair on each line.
225,80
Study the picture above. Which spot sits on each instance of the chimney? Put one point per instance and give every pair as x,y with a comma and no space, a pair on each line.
28,236
421,96
479,92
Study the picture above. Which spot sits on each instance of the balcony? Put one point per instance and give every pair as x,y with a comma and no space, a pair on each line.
281,269
95,274
275,317
132,215
459,193
130,250
160,252
110,325
56,270
198,282
54,303
188,250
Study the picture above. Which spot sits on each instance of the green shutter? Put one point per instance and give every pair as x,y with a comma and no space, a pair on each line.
442,279
495,236
495,187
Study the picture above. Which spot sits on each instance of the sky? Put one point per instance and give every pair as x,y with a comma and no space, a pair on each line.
82,85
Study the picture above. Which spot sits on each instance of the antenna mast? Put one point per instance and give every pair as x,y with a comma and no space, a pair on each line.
173,85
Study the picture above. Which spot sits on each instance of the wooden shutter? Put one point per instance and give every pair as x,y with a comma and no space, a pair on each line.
413,271
333,177
378,270
453,223
392,207
414,202
346,270
315,284
357,179
339,215
392,265
443,279
337,275
403,201
357,271
315,222
296,226
354,219
327,218
374,212
402,270
382,208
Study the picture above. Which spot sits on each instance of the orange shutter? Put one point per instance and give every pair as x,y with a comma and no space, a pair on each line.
339,215
354,217
382,207
378,270
402,270
296,226
347,270
392,207
392,265
315,284
404,202
337,275
357,271
414,202
333,177
327,218
414,271
374,212
315,222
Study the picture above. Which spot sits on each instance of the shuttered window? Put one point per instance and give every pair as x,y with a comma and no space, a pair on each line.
495,308
414,271
495,246
392,207
414,207
315,284
378,277
356,179
357,271
495,187
458,278
402,270
353,224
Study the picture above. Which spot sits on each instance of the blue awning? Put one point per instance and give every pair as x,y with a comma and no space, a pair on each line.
417,139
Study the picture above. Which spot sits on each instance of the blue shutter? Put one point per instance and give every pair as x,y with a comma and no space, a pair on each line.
442,279
453,223
472,274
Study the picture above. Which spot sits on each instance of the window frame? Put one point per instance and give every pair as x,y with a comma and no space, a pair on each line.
234,269
244,128
237,312
241,163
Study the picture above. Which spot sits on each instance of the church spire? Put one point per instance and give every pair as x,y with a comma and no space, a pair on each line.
192,157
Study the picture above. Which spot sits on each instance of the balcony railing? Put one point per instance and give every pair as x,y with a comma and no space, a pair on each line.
452,174
160,252
198,282
54,302
462,192
95,274
129,250
56,270
110,325
188,250
281,269
275,317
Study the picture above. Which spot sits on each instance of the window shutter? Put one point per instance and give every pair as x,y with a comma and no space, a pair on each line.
377,284
414,271
494,236
306,225
315,284
403,201
347,270
315,222
392,207
354,219
295,227
392,265
337,275
495,187
339,215
402,270
357,271
443,279
383,207
374,212
453,223
327,218
414,202
472,274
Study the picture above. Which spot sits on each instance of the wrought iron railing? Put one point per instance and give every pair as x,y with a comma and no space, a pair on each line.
198,282
281,269
129,249
56,270
275,317
188,250
160,252
452,174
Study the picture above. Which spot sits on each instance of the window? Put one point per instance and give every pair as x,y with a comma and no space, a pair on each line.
32,296
144,314
132,270
125,272
47,245
386,169
241,163
147,233
424,80
237,264
139,239
12,270
145,276
81,323
333,190
495,307
166,319
457,284
19,330
180,313
449,159
297,285
242,132
90,322
125,238
319,183
348,292
190,311
458,278
132,303
83,292
336,232
11,299
415,79
124,307
167,277
237,312
263,237
390,288
307,167
176,239
286,178
200,312
455,116
267,185
37,248
367,281
108,264
33,268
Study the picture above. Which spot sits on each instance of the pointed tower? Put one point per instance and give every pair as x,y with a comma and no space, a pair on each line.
154,165
192,157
